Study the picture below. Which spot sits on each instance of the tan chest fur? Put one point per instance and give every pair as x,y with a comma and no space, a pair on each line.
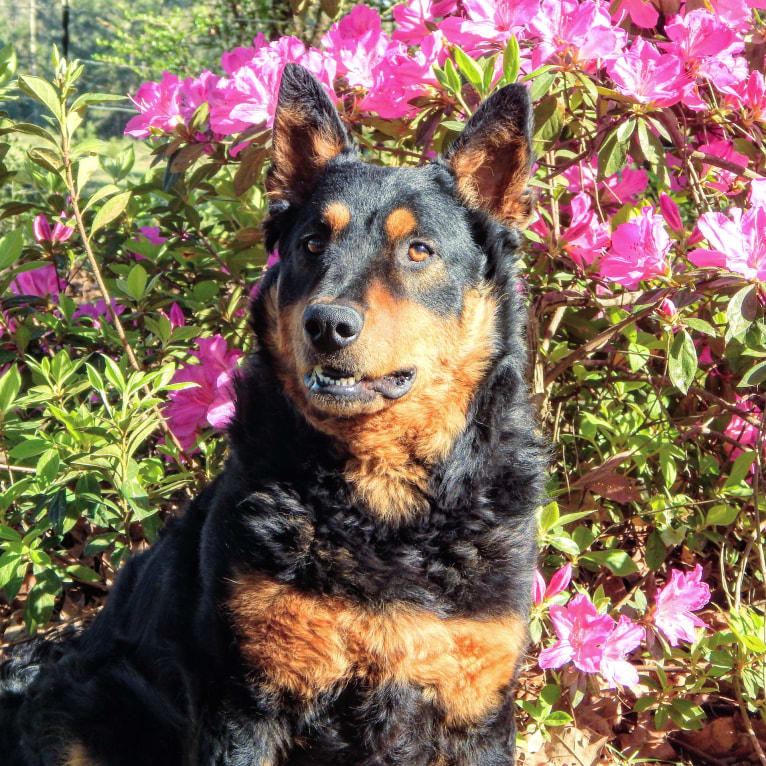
307,644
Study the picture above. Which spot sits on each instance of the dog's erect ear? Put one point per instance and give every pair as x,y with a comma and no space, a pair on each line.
307,134
492,157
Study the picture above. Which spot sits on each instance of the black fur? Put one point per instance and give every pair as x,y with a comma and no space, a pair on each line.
158,678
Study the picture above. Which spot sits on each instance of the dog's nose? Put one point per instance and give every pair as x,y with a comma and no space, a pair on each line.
332,326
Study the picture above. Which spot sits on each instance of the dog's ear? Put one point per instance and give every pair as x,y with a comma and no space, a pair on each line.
492,157
307,134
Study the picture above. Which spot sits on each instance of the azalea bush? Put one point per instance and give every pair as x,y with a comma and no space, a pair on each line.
124,316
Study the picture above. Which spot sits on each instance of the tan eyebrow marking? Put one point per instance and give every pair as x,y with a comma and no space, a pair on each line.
400,223
337,216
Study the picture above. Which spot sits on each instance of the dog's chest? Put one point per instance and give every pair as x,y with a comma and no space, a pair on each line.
307,644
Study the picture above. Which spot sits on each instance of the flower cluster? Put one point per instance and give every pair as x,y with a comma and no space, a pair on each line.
209,401
385,74
596,643
699,61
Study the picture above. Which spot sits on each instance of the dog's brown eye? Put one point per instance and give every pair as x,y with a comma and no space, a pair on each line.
315,245
419,251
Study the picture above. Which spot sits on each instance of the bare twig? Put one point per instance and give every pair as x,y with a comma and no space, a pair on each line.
747,722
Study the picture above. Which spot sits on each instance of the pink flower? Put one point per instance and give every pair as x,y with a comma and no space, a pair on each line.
757,195
624,638
152,233
177,318
400,77
43,282
699,35
195,91
41,228
738,242
667,308
648,76
642,13
97,311
740,429
722,180
210,402
159,104
357,43
621,188
750,95
575,32
489,24
586,238
683,594
581,632
272,260
671,214
559,581
639,250
415,19
249,96
736,13
538,588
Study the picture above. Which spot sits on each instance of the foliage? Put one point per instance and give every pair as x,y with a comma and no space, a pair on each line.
645,269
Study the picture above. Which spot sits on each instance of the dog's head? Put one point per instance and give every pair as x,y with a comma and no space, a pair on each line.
381,293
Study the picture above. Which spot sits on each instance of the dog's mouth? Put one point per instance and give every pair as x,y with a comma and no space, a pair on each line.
323,382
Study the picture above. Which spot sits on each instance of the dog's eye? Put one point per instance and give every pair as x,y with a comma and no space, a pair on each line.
419,251
315,245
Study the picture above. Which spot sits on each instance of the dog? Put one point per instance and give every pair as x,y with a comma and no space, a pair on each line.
354,588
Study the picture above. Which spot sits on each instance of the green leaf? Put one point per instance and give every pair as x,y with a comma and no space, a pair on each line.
541,82
741,312
700,325
511,61
565,544
10,385
35,130
549,515
558,718
43,92
10,247
135,283
612,155
89,146
682,362
111,209
754,376
41,600
48,466
617,562
740,469
7,63
644,703
94,98
29,448
46,159
86,167
549,120
654,152
722,515
98,544
468,67
453,78
655,551
114,374
624,131
10,563
80,572
100,193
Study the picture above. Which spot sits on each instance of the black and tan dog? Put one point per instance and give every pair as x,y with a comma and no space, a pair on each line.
354,588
